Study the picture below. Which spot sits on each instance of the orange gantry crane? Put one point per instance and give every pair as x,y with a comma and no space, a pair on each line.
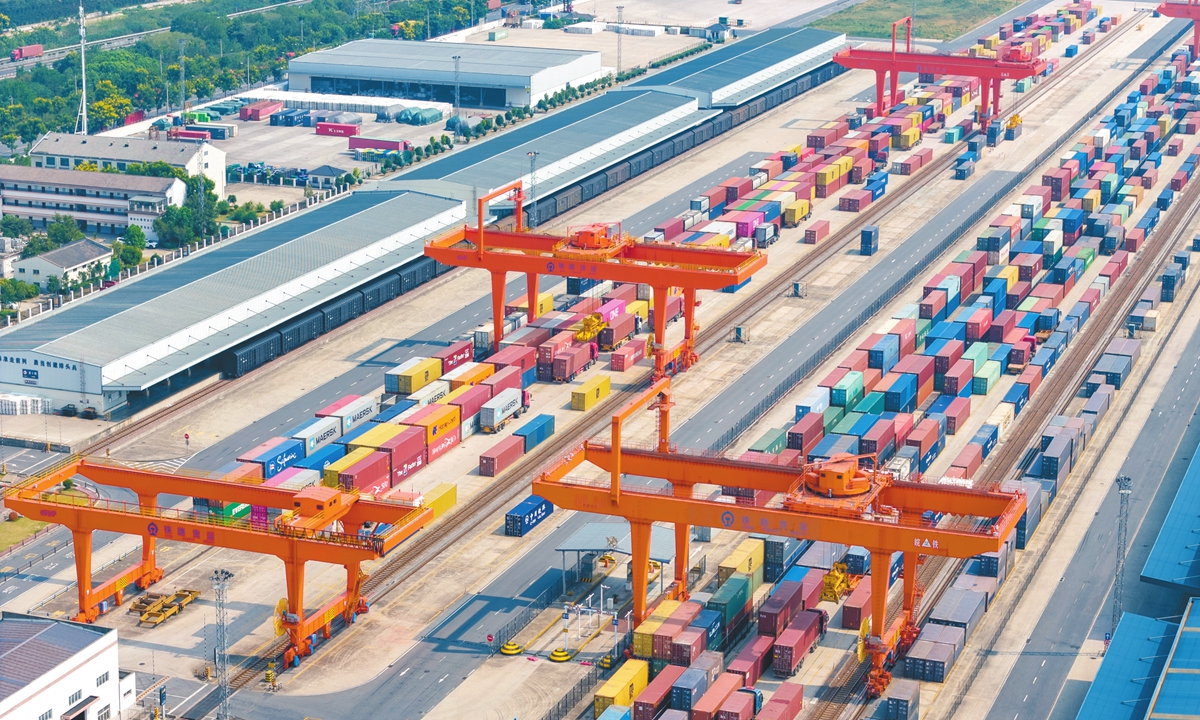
322,524
835,501
1011,64
1188,10
602,252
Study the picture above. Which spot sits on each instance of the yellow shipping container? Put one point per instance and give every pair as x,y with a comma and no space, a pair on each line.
827,175
591,392
626,683
844,165
641,308
745,559
1011,275
332,470
473,376
907,139
795,213
419,375
714,241
441,497
545,304
1091,201
376,436
643,638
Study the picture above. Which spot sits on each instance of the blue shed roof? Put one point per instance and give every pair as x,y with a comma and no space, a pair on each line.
1173,559
1131,667
1177,694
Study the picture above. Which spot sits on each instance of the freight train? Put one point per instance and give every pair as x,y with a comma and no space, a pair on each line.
270,345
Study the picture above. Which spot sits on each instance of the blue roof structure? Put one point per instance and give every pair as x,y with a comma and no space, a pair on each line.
1126,681
1174,561
1177,694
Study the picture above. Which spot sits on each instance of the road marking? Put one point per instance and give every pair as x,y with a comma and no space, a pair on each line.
403,672
444,677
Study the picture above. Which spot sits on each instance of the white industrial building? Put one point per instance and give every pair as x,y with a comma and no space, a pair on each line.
101,203
490,76
73,261
60,670
65,151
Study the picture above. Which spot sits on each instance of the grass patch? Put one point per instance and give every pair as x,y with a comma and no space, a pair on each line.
17,530
943,20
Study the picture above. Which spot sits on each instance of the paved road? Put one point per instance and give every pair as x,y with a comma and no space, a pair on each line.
1038,687
741,400
643,222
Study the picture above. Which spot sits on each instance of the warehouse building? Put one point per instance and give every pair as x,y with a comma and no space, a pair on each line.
73,261
101,203
488,76
65,151
308,273
590,147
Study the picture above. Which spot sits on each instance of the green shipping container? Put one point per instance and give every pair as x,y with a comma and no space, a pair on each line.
848,391
755,579
832,415
843,426
978,354
731,598
986,378
774,441
231,511
872,403
923,326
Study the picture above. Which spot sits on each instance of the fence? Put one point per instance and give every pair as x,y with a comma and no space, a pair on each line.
157,261
15,571
586,685
852,325
72,586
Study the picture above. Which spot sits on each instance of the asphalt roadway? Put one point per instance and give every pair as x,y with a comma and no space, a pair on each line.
1038,688
643,222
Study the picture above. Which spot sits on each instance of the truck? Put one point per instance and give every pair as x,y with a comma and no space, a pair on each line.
569,363
26,52
508,404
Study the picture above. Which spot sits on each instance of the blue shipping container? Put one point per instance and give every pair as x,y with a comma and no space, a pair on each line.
710,622
394,411
536,431
322,458
279,458
528,514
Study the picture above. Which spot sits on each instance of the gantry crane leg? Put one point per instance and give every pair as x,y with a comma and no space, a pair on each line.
683,559
640,557
82,540
294,571
499,281
879,641
151,573
531,294
660,332
689,357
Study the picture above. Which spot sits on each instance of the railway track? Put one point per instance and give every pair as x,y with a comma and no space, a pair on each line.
414,555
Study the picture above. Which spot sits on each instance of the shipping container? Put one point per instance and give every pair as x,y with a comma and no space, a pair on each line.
656,697
795,643
623,687
590,393
526,515
536,431
495,460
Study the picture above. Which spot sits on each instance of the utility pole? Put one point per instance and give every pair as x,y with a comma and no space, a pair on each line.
532,184
81,127
1124,490
182,78
620,34
220,584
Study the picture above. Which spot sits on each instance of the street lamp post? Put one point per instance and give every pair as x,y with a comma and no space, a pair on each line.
533,155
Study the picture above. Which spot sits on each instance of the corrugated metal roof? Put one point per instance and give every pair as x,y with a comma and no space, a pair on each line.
387,58
615,536
1131,667
1173,559
1177,694
31,646
560,136
76,253
714,70
128,149
84,179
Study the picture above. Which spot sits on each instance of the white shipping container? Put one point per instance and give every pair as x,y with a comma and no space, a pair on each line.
318,433
500,408
600,289
301,480
470,426
356,413
459,371
1002,417
431,393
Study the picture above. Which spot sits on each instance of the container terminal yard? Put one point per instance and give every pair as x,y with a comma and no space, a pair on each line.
801,378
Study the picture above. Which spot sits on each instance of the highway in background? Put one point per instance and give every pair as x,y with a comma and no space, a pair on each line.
1038,687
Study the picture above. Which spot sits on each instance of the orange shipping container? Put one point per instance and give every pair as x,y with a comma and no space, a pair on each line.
438,421
471,377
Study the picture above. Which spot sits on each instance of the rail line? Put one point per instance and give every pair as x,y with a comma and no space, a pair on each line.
412,557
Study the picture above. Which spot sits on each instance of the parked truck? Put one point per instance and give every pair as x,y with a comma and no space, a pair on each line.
26,52
508,404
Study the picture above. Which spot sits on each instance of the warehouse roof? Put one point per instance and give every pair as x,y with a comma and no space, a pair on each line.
1131,667
83,179
123,149
307,259
1179,685
1173,559
32,646
369,58
571,144
739,71
76,253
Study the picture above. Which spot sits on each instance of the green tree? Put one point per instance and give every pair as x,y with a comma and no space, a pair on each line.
37,245
135,237
175,227
158,168
277,205
53,285
87,166
13,226
126,256
62,230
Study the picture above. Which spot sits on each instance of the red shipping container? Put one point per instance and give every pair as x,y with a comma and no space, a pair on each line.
957,414
440,446
371,475
978,324
958,377
504,379
877,438
688,645
949,354
497,458
906,330
710,703
737,187
919,365
903,425
675,624
515,356
403,445
969,460
626,292
739,706
806,433
857,607
795,643
924,391
923,436
854,201
934,303
407,463
966,275
810,590
832,378
932,284
363,143
550,349
657,695
473,399
1031,376
790,458
978,260
626,357
856,360
871,377
1002,325
816,232
337,129
1050,291
870,342
753,660
1134,237
775,614
785,704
